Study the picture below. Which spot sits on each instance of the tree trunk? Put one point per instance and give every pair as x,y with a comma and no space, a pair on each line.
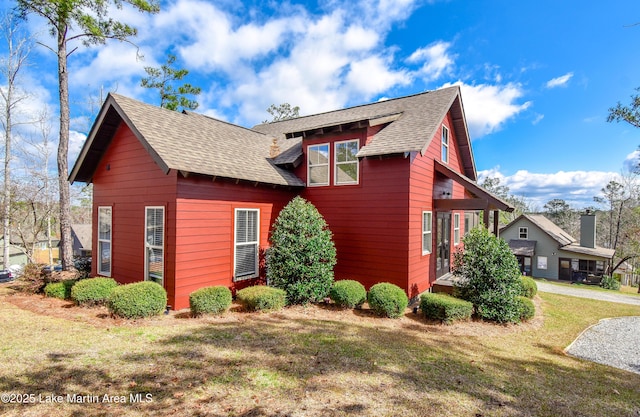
63,151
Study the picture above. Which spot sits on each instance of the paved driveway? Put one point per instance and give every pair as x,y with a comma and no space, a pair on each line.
612,296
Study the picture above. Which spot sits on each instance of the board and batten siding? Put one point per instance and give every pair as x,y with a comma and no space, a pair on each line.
421,268
128,180
205,230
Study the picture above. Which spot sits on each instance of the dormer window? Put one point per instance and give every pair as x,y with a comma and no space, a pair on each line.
318,164
523,233
445,144
346,170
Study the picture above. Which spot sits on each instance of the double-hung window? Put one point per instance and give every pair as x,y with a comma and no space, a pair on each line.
523,233
445,144
246,243
318,164
426,232
154,244
346,168
104,240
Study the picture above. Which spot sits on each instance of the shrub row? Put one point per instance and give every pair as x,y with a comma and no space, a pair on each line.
445,308
387,300
137,300
610,283
529,288
348,293
60,289
92,291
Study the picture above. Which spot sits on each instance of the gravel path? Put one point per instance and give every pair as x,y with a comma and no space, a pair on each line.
613,342
612,296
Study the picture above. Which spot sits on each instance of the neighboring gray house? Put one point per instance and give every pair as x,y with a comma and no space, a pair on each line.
544,250
81,235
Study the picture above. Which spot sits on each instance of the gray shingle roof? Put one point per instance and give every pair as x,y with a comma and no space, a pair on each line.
414,121
187,142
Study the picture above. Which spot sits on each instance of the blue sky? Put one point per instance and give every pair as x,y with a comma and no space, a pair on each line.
537,77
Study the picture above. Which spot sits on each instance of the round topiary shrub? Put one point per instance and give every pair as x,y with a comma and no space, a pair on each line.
60,289
302,255
526,307
445,308
210,300
529,288
262,298
348,293
489,276
387,300
93,291
137,300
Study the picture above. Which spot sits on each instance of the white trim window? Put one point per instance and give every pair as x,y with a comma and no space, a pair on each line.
346,165
445,144
104,240
246,244
318,165
456,228
154,244
523,233
427,238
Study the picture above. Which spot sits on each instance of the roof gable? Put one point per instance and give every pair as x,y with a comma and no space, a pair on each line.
410,124
186,142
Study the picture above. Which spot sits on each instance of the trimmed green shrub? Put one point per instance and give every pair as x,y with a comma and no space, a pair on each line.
609,283
348,293
489,276
137,300
93,291
387,300
445,307
302,255
262,298
60,289
210,300
529,288
526,307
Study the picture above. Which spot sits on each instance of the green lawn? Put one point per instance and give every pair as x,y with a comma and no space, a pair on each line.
312,363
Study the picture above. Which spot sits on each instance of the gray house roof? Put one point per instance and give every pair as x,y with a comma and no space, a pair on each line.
411,123
82,233
186,142
565,241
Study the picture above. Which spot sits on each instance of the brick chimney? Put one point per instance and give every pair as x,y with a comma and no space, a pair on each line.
588,229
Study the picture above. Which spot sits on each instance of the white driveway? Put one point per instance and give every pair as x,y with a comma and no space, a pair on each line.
613,296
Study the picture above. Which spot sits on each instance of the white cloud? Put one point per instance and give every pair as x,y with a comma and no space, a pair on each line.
575,187
561,81
632,161
488,107
436,60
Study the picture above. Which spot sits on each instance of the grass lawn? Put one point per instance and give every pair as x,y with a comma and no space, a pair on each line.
311,361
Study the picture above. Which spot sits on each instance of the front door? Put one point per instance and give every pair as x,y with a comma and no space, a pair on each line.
564,270
443,244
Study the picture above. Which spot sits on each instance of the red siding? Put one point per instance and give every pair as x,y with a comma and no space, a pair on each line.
368,220
127,179
421,268
204,240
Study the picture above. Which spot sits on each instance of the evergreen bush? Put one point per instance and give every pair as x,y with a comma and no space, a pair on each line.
529,288
60,289
348,293
93,291
526,307
489,276
210,300
302,255
609,283
387,300
137,300
262,298
445,308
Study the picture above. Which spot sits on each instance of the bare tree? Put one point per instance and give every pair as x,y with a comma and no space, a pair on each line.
69,21
11,66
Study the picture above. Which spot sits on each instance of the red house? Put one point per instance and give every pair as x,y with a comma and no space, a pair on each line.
188,201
